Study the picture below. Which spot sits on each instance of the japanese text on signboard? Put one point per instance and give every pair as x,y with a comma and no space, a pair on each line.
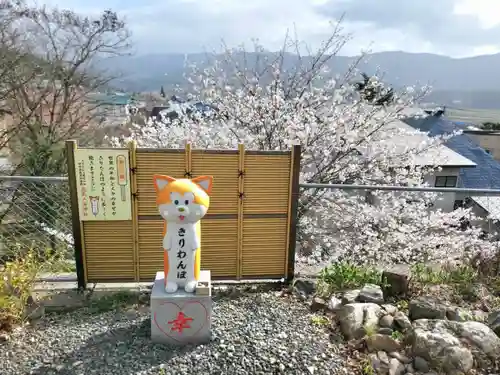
100,174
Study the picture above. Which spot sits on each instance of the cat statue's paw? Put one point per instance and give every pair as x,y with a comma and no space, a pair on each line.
171,287
190,286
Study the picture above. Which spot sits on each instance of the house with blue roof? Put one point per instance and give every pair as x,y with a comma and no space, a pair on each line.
400,137
486,173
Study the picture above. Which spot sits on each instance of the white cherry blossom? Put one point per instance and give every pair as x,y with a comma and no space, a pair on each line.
272,105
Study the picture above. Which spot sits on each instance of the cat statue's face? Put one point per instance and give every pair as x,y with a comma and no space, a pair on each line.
183,200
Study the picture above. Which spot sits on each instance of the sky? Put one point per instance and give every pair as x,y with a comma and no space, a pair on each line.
457,28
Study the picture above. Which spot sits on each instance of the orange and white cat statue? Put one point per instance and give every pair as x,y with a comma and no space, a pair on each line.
182,203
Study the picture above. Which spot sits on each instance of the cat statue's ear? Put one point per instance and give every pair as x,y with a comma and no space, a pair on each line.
161,181
205,182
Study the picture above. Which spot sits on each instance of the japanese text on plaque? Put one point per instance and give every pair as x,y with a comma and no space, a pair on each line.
103,184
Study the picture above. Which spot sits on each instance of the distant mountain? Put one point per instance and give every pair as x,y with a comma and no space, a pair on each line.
468,82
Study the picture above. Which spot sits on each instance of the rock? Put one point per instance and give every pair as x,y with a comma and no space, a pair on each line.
379,342
430,342
454,346
334,304
144,297
396,367
479,335
400,357
396,281
34,311
353,317
456,358
390,309
235,292
420,364
386,321
350,296
317,304
374,359
372,316
410,369
383,357
480,316
385,331
402,321
379,366
223,291
304,288
458,314
494,321
380,362
371,293
4,337
427,308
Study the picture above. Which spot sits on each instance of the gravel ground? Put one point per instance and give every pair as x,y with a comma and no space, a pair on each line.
253,334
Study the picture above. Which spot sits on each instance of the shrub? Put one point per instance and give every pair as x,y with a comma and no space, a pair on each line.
19,277
345,275
458,274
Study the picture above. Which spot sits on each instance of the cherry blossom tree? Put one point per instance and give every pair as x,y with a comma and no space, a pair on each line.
271,101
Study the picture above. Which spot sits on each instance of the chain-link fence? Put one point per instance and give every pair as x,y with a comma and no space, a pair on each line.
35,214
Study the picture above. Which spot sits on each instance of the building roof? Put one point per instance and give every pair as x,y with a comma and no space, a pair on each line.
401,136
486,175
110,99
177,106
490,204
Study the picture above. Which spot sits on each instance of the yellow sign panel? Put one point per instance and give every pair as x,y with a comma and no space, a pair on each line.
103,184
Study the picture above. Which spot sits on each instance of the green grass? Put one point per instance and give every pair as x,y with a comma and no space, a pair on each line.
457,275
367,367
402,305
318,320
463,279
370,330
396,335
344,275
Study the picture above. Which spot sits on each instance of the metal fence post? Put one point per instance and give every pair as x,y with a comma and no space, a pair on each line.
293,212
75,218
132,146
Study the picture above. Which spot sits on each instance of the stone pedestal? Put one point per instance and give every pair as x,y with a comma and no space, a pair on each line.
181,318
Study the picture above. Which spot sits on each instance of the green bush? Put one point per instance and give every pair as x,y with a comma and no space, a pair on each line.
344,275
18,280
461,274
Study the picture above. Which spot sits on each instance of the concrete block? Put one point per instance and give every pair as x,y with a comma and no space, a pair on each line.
204,286
181,318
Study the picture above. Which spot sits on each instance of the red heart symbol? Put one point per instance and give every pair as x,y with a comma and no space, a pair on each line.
174,312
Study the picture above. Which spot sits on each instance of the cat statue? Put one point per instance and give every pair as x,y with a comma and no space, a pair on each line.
182,203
